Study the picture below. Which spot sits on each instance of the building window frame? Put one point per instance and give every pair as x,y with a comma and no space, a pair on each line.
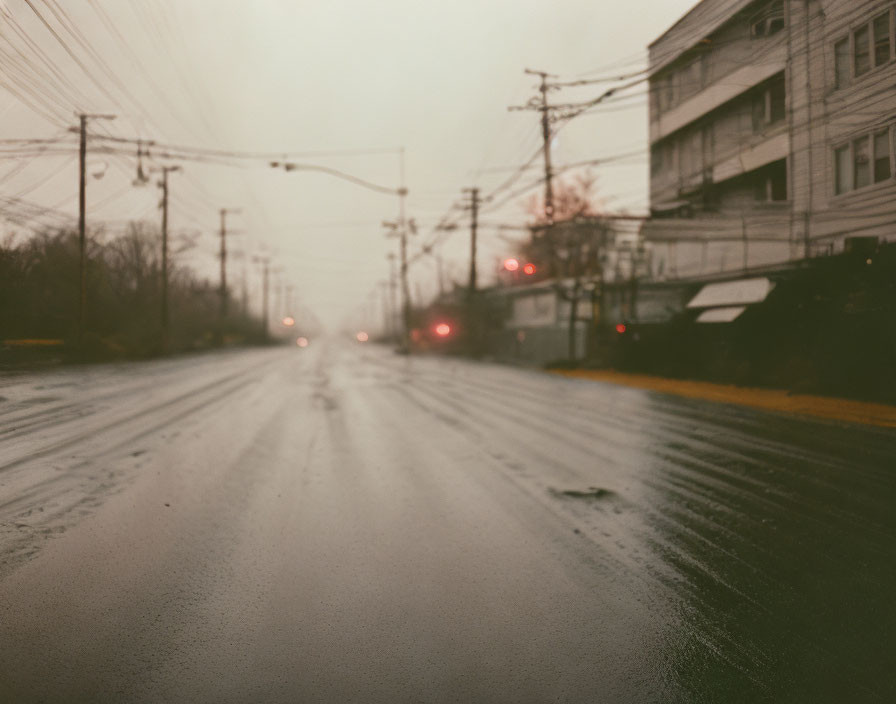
854,71
768,21
850,174
678,85
842,71
665,92
657,160
769,104
771,186
881,170
690,78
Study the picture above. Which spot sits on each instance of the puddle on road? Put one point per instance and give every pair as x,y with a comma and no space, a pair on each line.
593,493
594,496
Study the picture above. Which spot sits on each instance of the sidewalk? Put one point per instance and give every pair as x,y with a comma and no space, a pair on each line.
866,413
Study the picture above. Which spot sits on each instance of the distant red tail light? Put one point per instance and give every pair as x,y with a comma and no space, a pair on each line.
620,328
443,329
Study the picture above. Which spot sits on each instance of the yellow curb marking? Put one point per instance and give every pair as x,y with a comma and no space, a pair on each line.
866,413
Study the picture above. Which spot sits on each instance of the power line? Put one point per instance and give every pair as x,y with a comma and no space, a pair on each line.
68,50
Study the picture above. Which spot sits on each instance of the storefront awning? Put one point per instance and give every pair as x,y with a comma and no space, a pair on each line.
733,293
669,206
721,315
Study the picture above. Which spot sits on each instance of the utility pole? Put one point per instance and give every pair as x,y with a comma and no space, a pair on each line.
223,255
164,186
474,214
82,222
393,285
440,274
401,228
264,305
266,267
541,105
387,310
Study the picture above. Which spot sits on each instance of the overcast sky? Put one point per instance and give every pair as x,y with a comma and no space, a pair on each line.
433,77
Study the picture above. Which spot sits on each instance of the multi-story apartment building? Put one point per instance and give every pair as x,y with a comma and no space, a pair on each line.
772,133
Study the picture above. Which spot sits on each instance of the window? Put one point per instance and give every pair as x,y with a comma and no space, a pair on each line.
656,159
690,79
881,28
882,156
841,63
770,182
706,139
861,51
758,111
666,92
769,21
843,175
861,163
769,103
871,47
777,181
866,160
691,153
776,100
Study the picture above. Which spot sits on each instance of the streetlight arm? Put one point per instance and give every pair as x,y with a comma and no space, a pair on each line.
290,166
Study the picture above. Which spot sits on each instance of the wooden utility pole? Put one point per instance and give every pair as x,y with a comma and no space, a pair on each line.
164,186
387,309
393,285
474,215
265,269
223,255
264,305
401,229
541,105
82,222
440,274
82,232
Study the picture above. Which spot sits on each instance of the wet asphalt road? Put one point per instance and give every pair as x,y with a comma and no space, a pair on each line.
339,524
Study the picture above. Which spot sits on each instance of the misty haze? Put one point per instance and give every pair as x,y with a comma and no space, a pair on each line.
447,351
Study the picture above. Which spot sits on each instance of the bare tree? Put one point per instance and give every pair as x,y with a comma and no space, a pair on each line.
568,246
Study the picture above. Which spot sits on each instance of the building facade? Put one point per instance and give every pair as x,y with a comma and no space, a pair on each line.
772,133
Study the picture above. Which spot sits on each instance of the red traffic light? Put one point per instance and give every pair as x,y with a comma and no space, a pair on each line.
443,329
620,328
529,269
511,264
